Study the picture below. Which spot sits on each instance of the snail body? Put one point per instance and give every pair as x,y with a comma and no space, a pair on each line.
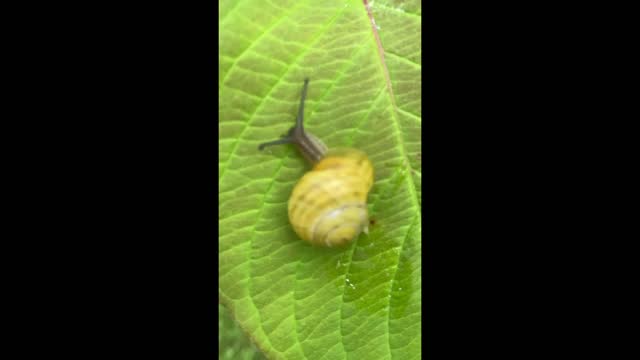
328,205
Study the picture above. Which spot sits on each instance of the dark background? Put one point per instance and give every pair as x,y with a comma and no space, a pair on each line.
116,163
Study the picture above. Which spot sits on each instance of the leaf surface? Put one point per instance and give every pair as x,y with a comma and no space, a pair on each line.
297,301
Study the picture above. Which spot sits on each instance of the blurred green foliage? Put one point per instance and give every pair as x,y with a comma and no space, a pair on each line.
233,343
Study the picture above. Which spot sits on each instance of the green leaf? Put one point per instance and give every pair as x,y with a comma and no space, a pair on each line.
297,301
232,342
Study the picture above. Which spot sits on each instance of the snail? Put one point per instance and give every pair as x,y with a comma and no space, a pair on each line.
328,205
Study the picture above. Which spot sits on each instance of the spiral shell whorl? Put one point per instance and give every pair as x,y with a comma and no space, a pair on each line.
328,206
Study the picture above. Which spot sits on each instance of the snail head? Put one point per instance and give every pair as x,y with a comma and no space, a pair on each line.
311,147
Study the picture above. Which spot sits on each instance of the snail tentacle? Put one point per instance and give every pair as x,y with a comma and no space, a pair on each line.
303,97
285,140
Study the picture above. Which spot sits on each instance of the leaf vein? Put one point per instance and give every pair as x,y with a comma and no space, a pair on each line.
410,62
414,222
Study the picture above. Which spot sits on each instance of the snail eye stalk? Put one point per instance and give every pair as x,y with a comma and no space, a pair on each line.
296,134
300,117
